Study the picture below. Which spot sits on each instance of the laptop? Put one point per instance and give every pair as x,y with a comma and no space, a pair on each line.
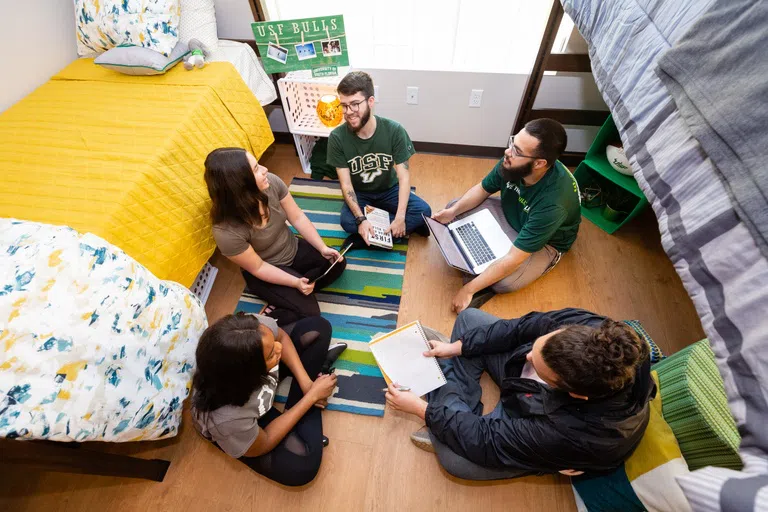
472,243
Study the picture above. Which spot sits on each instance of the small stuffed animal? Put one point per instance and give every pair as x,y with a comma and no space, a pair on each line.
196,57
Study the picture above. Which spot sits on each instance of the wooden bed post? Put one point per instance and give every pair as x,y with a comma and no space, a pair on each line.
71,458
548,61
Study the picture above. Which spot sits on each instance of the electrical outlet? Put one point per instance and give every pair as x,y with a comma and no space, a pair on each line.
412,96
475,98
376,93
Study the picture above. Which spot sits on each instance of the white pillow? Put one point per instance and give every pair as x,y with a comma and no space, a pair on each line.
134,60
198,21
105,24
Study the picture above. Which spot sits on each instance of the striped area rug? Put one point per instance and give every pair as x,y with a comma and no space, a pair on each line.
361,304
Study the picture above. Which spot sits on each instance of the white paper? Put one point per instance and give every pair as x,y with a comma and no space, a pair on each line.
401,357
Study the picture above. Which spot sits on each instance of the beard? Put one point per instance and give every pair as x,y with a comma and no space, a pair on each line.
515,173
364,117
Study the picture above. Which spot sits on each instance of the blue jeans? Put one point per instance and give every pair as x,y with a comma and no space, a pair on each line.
388,200
463,393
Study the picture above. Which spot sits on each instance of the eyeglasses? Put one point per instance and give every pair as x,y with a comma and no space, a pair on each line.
515,151
352,107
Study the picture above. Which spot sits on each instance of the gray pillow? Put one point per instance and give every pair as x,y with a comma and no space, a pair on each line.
137,60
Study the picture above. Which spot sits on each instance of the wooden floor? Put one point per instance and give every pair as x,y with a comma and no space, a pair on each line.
370,463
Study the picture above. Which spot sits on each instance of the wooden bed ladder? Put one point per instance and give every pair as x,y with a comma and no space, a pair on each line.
567,62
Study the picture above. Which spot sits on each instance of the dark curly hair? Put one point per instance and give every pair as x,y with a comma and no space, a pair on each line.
595,362
235,197
230,363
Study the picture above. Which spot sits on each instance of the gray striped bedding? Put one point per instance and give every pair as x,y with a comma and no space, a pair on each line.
712,250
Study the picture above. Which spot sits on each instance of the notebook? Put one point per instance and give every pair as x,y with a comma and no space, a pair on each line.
400,356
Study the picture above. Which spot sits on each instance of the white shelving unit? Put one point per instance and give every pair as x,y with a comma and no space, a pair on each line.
300,94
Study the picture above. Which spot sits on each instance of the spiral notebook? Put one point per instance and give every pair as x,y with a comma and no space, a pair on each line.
400,356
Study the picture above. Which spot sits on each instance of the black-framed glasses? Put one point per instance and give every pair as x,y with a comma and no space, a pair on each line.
352,107
515,151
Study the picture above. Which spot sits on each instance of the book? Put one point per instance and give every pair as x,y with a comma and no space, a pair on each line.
379,219
400,356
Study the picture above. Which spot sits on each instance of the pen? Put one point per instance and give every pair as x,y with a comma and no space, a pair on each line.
399,388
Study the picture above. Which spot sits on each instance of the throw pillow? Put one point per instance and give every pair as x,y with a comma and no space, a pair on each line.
105,24
198,21
135,60
646,481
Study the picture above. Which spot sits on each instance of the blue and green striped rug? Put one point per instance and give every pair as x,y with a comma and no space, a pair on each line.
362,303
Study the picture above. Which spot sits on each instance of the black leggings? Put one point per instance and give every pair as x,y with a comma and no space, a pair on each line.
296,460
289,303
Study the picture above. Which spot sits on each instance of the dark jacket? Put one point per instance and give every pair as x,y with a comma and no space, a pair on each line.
546,430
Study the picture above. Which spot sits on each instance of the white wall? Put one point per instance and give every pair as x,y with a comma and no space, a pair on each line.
234,18
38,39
443,114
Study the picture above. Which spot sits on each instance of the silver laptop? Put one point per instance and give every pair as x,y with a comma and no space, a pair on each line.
472,243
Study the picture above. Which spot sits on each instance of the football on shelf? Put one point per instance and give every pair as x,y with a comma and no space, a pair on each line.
617,159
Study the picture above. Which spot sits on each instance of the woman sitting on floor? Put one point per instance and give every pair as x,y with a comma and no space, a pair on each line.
235,385
250,207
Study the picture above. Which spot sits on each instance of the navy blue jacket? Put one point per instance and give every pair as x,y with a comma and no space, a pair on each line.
547,430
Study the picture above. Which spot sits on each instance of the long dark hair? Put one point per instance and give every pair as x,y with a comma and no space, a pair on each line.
230,363
235,197
595,362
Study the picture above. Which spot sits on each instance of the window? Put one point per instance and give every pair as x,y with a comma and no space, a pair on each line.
489,36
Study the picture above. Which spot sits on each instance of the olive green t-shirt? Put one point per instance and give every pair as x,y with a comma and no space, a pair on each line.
275,243
371,162
545,213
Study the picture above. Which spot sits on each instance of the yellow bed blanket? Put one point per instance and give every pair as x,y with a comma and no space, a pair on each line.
122,157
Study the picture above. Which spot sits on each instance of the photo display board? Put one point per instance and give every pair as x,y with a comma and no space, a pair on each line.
307,43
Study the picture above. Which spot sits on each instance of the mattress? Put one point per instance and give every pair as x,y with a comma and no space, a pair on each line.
712,250
94,347
122,157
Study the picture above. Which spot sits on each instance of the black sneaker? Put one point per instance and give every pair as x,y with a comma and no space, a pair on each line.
481,298
334,351
356,241
422,230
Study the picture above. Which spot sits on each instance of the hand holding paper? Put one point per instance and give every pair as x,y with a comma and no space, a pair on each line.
400,355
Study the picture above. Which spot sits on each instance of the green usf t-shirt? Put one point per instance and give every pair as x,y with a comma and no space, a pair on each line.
371,162
545,213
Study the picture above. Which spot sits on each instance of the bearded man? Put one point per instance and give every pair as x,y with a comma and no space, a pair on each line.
539,209
371,155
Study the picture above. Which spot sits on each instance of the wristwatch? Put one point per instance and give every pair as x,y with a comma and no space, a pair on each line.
359,220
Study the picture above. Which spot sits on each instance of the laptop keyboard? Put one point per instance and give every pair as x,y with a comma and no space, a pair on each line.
475,243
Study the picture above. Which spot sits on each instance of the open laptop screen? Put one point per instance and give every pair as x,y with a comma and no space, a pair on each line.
448,247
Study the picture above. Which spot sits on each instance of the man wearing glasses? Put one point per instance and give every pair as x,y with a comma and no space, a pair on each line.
538,210
371,156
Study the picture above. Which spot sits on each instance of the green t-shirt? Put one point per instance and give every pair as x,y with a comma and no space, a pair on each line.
546,213
371,162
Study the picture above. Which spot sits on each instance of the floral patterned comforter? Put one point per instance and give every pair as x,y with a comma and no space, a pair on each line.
93,347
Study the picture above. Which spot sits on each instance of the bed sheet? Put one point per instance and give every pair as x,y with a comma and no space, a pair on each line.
245,61
94,347
713,252
122,157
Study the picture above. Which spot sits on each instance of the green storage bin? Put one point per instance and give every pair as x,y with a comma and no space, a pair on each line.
595,169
